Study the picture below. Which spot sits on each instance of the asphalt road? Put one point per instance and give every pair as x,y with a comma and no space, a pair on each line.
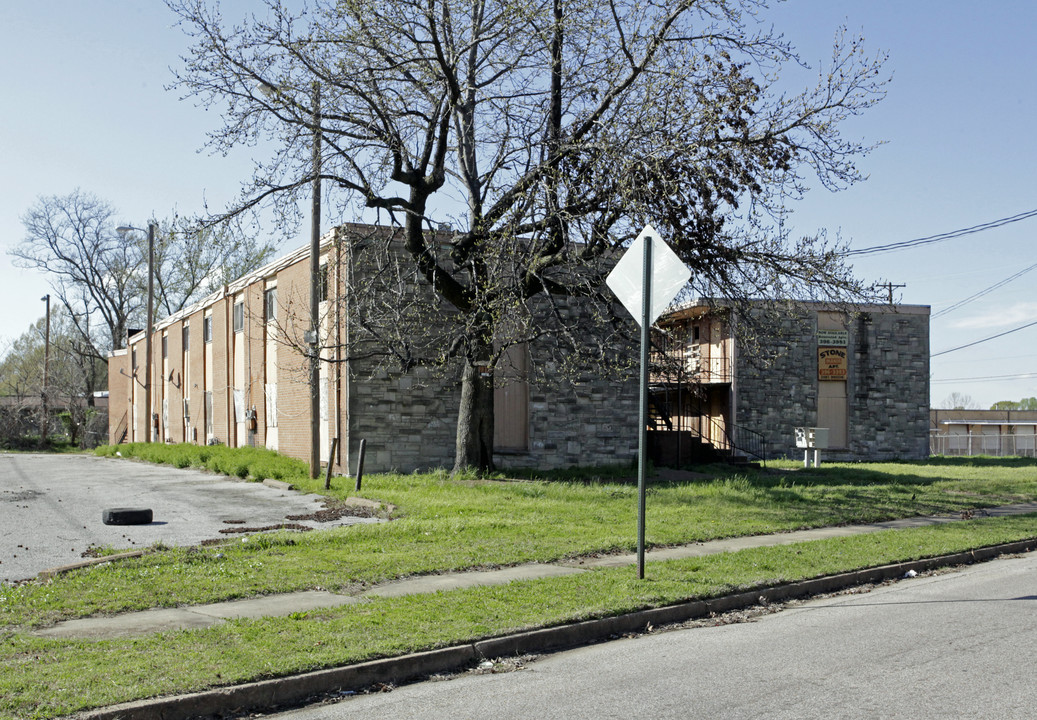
51,508
960,644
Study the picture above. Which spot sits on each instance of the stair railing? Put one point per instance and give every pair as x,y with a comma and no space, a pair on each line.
744,440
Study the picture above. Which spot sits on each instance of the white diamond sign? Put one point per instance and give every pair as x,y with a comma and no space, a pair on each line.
667,278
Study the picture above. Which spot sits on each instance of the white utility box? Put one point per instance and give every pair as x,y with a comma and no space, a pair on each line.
811,438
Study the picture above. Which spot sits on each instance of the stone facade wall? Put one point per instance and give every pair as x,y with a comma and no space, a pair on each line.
887,384
408,420
575,417
591,422
582,415
775,383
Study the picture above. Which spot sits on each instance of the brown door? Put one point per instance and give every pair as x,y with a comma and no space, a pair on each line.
511,400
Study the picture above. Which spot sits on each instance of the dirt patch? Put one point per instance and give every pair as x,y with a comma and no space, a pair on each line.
19,495
337,509
265,528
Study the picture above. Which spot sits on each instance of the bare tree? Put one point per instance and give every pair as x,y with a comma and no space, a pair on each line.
74,374
545,134
94,272
99,276
960,401
192,262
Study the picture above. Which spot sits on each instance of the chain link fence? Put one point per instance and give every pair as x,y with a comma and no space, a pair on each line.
993,444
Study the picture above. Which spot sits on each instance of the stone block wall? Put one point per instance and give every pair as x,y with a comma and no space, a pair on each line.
888,387
408,420
576,415
775,382
887,383
590,422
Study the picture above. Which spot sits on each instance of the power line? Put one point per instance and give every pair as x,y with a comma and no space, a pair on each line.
940,237
977,342
987,378
981,293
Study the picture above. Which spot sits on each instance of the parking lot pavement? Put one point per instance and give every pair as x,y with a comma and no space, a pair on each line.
51,508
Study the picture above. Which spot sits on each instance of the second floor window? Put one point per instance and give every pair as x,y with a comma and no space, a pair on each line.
270,304
239,316
207,329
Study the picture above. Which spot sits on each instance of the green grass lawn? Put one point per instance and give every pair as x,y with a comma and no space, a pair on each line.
442,523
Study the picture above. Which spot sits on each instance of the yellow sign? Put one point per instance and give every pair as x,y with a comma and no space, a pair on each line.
832,363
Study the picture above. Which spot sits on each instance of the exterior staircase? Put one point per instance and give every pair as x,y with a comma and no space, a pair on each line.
668,447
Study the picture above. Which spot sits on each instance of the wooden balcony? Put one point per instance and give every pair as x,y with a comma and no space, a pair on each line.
692,352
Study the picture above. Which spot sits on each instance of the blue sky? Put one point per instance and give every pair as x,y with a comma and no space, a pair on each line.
85,107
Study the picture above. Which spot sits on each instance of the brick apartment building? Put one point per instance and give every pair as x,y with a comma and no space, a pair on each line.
229,370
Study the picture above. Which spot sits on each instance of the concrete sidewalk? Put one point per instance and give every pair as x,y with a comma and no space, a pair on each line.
149,621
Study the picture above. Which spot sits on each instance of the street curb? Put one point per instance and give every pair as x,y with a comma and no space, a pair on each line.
265,695
51,572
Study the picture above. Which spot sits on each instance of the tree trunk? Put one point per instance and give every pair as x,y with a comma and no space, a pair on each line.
474,450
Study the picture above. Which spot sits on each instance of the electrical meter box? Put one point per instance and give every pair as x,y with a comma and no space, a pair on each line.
812,438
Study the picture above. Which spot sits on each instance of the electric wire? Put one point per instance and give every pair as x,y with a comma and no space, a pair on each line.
940,237
977,342
981,293
986,378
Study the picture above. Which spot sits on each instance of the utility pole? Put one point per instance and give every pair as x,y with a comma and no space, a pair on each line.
889,288
150,327
45,417
315,288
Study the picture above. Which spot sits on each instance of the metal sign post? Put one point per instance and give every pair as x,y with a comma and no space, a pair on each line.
646,291
642,435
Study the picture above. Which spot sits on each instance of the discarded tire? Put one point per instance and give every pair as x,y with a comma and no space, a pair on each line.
127,516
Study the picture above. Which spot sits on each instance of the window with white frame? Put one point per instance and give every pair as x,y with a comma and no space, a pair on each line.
270,304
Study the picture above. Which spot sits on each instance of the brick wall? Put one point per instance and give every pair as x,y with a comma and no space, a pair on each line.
174,381
221,365
293,391
118,396
196,389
